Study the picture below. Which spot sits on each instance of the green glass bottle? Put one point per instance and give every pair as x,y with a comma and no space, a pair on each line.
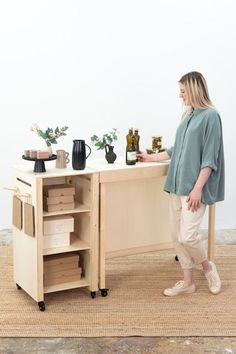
136,141
130,148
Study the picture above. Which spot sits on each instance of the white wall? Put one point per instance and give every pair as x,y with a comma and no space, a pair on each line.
94,65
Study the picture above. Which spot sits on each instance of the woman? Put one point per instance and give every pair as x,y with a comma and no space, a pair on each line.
195,178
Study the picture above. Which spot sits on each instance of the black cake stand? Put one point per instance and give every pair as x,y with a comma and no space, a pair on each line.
39,165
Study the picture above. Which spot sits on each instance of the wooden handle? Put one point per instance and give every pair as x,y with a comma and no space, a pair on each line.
15,190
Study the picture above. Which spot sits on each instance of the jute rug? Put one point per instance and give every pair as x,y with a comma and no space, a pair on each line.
135,305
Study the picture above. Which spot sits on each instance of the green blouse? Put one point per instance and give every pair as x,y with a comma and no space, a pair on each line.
198,144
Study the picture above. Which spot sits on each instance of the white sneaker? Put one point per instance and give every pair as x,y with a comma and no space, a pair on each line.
213,279
180,288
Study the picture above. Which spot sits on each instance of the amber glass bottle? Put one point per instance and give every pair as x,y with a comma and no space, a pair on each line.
130,148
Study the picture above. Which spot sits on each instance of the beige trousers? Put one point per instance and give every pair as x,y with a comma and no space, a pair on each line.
184,225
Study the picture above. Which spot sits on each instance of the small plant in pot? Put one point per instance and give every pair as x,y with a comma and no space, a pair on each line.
105,142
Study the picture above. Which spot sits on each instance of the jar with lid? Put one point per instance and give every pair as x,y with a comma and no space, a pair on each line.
156,143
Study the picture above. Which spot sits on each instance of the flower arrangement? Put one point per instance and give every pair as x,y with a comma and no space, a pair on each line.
49,135
106,139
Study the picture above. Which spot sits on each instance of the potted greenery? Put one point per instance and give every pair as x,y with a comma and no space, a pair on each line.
105,142
49,135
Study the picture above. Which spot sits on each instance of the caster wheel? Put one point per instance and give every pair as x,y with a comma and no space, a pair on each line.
176,258
41,305
93,294
104,292
18,287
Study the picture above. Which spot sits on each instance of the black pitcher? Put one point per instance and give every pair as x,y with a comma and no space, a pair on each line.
110,155
79,154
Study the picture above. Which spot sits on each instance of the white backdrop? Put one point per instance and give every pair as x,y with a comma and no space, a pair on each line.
94,65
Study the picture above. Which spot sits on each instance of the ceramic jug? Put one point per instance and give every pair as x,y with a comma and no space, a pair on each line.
79,154
110,155
62,159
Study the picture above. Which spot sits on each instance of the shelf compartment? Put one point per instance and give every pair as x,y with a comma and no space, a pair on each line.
66,286
59,268
76,244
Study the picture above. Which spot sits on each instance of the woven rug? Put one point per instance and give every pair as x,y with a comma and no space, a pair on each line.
135,305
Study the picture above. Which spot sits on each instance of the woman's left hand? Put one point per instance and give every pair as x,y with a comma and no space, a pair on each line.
194,200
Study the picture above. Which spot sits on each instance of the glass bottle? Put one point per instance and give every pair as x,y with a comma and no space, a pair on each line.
136,140
130,148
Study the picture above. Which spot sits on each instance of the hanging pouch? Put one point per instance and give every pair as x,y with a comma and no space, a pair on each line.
17,213
29,224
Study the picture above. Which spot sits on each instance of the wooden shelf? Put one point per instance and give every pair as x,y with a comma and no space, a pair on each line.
75,245
66,286
79,208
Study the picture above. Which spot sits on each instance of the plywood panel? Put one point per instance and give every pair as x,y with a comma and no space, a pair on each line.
136,214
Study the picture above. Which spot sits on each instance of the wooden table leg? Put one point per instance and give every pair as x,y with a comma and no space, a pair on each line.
102,236
211,231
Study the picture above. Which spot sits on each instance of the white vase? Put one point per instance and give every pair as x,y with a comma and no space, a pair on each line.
47,148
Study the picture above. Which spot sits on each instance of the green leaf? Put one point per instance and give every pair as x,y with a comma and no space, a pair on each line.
53,141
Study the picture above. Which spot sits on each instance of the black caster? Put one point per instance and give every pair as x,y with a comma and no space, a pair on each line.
18,287
41,305
104,292
176,258
93,294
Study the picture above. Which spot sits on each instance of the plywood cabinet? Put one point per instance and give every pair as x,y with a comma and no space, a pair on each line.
114,210
32,253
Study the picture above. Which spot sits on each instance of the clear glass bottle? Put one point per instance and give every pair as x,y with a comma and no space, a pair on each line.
130,148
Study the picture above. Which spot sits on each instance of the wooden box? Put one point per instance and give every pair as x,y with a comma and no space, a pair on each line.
58,200
62,277
61,192
57,207
58,190
58,224
63,260
61,268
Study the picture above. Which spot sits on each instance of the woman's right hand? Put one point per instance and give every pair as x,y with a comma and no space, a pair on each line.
144,157
160,156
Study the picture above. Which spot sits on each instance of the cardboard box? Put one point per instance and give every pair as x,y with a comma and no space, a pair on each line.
58,224
56,240
58,190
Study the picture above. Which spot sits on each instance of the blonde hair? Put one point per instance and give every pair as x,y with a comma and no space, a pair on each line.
197,90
